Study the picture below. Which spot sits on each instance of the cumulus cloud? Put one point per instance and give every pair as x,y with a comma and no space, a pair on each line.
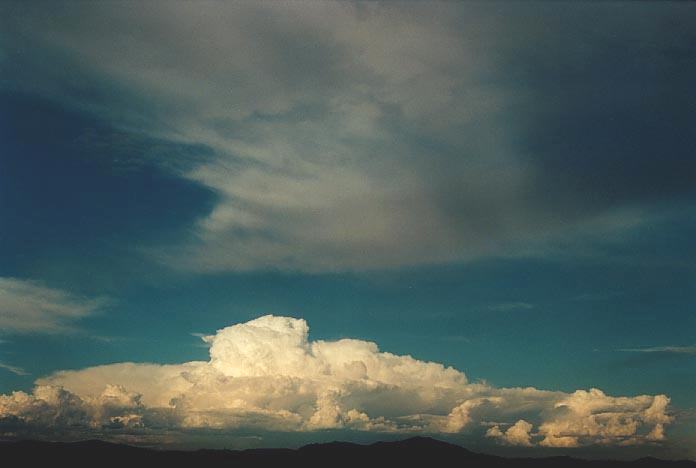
592,415
517,434
266,374
348,137
30,307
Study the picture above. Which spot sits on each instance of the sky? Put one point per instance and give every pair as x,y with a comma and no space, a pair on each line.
256,224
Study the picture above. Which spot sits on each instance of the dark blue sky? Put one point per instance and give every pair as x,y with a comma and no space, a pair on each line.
509,191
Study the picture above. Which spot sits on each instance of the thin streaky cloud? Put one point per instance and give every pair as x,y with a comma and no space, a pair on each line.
663,349
30,307
597,296
14,369
510,306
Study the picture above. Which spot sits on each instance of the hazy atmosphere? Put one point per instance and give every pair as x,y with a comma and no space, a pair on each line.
265,224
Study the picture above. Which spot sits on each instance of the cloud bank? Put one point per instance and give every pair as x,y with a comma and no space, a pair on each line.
267,375
30,307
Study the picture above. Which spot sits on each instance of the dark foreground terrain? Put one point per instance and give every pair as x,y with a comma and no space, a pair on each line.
419,451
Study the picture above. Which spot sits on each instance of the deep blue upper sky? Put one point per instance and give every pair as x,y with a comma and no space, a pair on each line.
506,191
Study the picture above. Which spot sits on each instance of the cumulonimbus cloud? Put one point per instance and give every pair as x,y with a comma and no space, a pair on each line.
268,375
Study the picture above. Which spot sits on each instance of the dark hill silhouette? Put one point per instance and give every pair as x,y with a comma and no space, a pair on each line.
415,452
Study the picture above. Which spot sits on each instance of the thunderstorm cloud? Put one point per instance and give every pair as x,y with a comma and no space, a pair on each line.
266,374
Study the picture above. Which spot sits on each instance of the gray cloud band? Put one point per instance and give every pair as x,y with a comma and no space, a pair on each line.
350,138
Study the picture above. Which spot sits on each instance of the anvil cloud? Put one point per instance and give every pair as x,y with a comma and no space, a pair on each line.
351,136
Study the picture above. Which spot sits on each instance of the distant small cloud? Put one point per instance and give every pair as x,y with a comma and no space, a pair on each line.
663,350
205,343
30,307
517,434
106,339
14,369
456,339
597,296
510,306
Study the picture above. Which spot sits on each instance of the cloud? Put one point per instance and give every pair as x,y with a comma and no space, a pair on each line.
517,434
29,307
352,138
592,415
267,375
14,369
663,350
510,306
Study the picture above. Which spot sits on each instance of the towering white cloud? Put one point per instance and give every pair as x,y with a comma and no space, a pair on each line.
268,375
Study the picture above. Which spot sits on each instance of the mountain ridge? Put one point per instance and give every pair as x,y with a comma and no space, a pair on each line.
416,451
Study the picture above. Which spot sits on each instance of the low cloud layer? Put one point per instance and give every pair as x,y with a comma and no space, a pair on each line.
266,375
30,307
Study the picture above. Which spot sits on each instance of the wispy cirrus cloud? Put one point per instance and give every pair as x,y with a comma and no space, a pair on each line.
510,306
14,369
663,350
31,307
